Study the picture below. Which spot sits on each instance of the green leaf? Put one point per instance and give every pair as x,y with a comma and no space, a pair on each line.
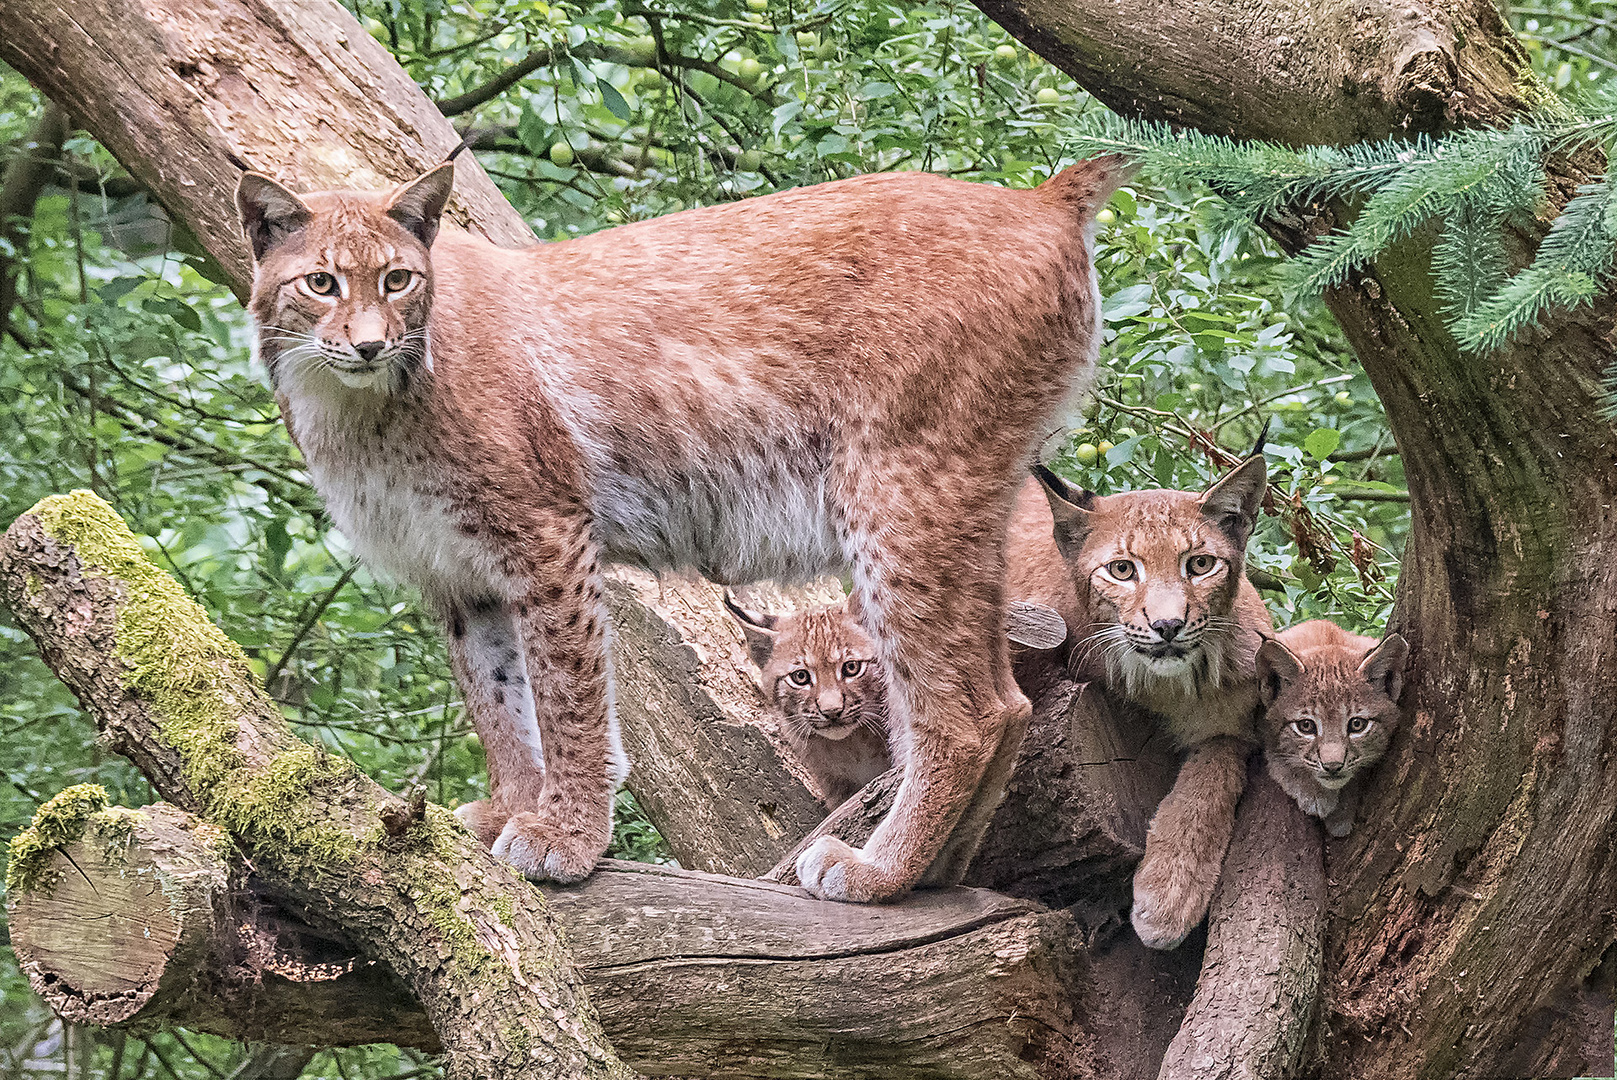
1322,442
614,101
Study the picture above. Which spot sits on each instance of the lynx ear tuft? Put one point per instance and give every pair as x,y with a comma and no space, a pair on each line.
419,204
759,629
269,212
1072,507
1233,503
1383,666
1278,668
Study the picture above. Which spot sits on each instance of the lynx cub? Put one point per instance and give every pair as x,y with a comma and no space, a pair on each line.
489,424
1332,701
1153,590
822,678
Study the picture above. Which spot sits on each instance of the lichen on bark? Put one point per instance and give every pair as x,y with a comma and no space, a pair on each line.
60,821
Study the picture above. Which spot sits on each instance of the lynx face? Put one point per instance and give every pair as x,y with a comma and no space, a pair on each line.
819,670
1332,701
344,282
1157,573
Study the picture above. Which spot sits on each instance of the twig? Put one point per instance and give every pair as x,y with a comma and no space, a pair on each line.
307,625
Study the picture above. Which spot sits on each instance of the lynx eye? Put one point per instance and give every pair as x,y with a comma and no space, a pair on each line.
799,676
1305,726
1200,564
1121,569
1358,725
321,283
852,668
396,280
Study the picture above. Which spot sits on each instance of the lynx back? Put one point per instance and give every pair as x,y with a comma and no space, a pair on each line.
490,424
1331,702
819,671
1152,586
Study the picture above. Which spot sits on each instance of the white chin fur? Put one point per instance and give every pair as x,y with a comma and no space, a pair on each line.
835,734
1332,783
1168,667
360,380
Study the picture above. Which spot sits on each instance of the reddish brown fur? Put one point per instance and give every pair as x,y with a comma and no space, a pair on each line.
1122,635
1316,675
759,389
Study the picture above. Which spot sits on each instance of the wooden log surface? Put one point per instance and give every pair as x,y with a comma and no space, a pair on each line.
151,919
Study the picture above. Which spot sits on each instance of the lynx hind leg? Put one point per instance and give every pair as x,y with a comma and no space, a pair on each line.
1185,846
948,710
950,867
485,650
565,643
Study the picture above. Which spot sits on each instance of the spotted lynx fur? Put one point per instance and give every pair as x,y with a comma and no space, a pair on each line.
1331,707
1153,588
754,390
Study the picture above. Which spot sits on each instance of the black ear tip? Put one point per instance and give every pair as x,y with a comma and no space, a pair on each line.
1262,439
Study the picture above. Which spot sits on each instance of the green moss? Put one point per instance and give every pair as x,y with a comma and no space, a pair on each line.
504,909
197,683
59,822
114,826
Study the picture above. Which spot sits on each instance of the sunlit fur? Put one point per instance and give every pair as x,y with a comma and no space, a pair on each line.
758,389
834,721
1174,634
1321,682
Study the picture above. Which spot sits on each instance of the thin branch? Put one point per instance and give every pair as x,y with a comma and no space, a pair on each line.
471,99
308,624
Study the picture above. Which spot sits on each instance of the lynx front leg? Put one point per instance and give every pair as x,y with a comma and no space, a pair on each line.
1185,846
485,649
565,635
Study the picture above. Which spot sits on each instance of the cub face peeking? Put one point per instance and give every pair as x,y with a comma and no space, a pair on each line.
824,683
1161,617
1331,702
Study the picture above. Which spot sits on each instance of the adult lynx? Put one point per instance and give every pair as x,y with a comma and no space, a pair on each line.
753,390
1153,588
1331,702
821,676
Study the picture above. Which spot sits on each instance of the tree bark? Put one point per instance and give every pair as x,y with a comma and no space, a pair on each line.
476,945
152,918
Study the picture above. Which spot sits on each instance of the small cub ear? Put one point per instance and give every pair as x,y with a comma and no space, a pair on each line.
760,630
1383,666
1278,668
1233,503
419,204
1072,508
1034,625
269,212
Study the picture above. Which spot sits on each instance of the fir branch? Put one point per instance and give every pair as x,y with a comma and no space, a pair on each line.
1575,261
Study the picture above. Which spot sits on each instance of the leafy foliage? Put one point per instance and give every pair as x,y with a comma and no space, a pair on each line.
1473,182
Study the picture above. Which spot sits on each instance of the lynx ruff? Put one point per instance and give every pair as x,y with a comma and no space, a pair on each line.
489,425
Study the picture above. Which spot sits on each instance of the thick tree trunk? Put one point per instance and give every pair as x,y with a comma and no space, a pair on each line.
1476,896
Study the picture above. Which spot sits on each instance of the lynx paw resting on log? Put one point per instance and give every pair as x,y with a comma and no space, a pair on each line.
489,425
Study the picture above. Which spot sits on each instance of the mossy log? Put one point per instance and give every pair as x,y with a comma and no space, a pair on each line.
477,947
151,918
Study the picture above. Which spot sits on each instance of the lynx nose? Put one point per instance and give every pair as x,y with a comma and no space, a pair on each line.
1168,629
1333,767
369,350
830,706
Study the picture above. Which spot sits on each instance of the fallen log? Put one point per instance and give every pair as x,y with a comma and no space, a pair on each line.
152,918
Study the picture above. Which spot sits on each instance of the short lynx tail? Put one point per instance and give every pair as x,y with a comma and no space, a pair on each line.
1089,184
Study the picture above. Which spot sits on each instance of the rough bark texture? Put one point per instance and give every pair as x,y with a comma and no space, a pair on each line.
151,919
1259,984
476,945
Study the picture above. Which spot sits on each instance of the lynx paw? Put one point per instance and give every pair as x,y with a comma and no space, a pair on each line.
484,819
1339,827
1166,910
831,870
541,849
